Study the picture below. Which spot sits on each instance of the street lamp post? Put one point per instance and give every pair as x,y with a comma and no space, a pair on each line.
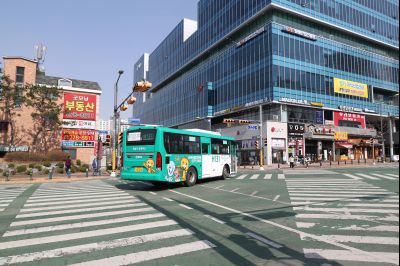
113,174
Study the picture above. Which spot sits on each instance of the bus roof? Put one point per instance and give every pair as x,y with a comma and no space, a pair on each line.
193,132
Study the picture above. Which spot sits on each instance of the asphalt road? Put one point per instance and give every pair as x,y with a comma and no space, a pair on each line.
281,217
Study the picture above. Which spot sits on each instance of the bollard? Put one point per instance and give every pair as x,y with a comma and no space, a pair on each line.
30,175
338,162
87,172
351,161
69,173
358,161
345,162
365,161
330,163
51,172
279,166
320,164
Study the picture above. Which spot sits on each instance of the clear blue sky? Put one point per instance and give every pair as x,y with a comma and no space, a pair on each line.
91,39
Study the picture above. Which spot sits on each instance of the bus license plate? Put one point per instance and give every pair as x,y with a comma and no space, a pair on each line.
139,169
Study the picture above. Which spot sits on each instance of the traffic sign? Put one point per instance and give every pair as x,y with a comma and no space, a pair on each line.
134,120
252,127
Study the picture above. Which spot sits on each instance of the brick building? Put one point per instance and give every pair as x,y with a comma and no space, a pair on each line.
81,109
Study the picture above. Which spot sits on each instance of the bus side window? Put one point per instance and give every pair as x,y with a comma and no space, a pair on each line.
204,148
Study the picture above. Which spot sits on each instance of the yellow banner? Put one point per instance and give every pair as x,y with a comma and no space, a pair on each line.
341,135
352,88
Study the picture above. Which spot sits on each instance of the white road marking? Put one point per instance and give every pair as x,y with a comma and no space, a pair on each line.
383,176
346,217
64,198
185,206
352,255
75,191
268,176
92,247
367,176
241,177
353,190
255,192
168,199
276,197
236,189
372,205
36,198
149,254
214,219
379,228
152,193
363,239
79,200
254,176
79,217
314,199
339,192
345,210
265,241
393,175
356,195
305,225
112,207
220,186
281,176
353,176
81,224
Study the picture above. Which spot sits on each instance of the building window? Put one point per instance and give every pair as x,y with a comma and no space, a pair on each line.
19,76
3,126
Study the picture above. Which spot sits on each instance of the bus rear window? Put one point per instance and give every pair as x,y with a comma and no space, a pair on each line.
141,137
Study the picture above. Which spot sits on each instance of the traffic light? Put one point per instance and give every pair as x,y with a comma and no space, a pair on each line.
131,100
108,140
142,86
257,145
228,121
120,135
265,142
124,107
244,122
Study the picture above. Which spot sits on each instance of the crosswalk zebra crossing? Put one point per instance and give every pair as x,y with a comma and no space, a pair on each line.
350,212
93,224
372,176
259,176
8,194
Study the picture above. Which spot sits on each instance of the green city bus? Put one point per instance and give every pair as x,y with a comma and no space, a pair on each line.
164,155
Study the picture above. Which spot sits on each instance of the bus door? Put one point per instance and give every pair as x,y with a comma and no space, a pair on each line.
206,158
233,157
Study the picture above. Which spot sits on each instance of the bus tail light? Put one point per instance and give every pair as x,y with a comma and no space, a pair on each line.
159,161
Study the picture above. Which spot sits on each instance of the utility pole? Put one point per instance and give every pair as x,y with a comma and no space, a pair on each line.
382,135
261,141
114,141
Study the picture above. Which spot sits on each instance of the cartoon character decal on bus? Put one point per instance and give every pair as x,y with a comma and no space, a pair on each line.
184,166
149,164
170,171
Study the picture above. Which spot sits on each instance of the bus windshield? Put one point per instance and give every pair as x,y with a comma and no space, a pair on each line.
141,137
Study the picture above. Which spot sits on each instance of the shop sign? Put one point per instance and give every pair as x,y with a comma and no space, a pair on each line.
78,144
342,136
349,109
249,37
341,116
13,148
295,142
299,33
257,102
366,110
320,130
278,143
82,124
329,122
319,117
295,101
317,104
79,106
229,110
352,88
295,129
78,135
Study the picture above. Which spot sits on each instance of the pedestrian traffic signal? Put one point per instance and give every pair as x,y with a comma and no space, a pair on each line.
265,142
244,122
257,145
108,140
228,121
120,135
142,86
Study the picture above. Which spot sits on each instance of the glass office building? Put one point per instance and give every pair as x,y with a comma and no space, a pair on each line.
329,67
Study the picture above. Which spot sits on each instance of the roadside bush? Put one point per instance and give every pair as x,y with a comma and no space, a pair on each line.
60,170
60,165
57,155
23,157
21,168
31,165
38,167
47,164
82,169
27,172
78,162
11,165
1,170
46,171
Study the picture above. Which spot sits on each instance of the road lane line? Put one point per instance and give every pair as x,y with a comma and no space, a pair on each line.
281,176
241,177
236,189
150,254
276,197
352,255
265,241
93,247
255,192
78,217
168,199
185,206
268,176
305,225
152,193
83,235
81,224
353,176
367,176
214,219
383,176
79,200
254,176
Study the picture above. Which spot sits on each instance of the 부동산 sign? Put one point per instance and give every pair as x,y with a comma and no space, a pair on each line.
352,88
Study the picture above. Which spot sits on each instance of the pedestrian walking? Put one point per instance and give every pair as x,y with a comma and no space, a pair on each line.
94,166
68,164
291,161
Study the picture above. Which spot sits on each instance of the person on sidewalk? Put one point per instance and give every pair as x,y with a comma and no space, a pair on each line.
94,167
291,161
68,164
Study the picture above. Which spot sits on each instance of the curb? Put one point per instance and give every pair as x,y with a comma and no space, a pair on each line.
53,180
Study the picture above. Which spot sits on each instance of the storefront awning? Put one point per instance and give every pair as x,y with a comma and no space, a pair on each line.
343,145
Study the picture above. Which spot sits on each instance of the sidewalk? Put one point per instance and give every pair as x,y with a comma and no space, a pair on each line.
323,165
25,179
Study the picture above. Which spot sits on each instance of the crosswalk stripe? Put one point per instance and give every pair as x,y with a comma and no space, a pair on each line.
345,210
92,247
254,176
81,216
336,195
81,235
393,175
33,198
379,228
97,199
268,176
8,200
241,177
383,176
281,176
330,186
61,198
352,255
316,199
81,224
63,191
353,176
342,191
346,217
101,208
372,205
363,239
150,254
368,176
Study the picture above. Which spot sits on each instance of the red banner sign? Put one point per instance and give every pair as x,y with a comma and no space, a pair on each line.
338,117
78,134
79,106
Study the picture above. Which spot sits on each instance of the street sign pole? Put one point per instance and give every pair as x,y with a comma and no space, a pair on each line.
261,141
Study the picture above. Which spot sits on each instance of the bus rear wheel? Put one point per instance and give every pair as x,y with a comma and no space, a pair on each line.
225,172
191,177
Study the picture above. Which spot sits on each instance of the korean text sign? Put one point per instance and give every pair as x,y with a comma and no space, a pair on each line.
79,106
341,116
78,134
352,88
